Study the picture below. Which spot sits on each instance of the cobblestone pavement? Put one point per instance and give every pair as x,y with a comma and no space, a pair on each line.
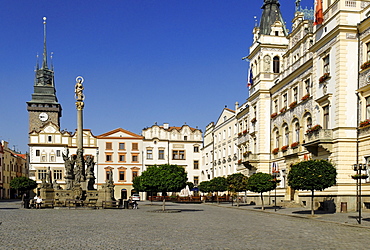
197,226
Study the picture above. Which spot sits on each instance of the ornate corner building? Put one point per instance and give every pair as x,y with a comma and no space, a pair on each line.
309,97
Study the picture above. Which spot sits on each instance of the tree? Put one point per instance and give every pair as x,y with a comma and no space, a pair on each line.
237,183
190,184
23,184
164,178
312,175
260,183
218,184
204,187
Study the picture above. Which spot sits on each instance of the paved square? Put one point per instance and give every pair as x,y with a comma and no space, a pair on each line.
195,227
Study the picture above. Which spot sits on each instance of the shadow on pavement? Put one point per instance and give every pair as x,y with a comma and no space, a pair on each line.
270,208
309,212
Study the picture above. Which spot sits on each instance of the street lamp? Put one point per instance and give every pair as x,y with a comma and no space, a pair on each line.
358,177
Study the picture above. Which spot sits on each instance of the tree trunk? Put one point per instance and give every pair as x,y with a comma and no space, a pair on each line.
312,210
263,206
237,200
164,203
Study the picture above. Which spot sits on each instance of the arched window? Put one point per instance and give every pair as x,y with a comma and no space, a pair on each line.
276,64
309,123
296,131
277,139
286,135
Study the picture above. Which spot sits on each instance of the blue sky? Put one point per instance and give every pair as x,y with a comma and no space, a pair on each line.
144,61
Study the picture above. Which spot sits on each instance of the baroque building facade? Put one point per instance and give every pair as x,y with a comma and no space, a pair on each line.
120,151
309,98
173,145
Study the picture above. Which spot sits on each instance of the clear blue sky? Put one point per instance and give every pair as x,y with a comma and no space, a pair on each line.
144,61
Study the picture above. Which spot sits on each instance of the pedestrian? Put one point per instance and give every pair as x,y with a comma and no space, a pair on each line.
38,202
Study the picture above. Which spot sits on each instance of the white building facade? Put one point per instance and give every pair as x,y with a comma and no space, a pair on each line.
175,146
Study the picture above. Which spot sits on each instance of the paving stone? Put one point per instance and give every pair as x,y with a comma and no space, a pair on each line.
197,226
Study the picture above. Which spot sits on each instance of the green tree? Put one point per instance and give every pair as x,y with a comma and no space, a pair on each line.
164,178
218,184
237,183
190,184
204,187
23,184
312,175
260,183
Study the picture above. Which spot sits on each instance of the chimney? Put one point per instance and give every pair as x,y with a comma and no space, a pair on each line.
166,125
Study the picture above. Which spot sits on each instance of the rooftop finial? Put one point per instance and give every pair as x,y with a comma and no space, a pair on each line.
44,62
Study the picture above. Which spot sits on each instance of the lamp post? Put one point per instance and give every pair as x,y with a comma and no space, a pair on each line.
358,177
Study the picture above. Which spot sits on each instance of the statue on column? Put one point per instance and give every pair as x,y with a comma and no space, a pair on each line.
69,173
90,172
297,5
79,170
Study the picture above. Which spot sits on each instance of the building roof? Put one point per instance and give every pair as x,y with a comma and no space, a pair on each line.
271,13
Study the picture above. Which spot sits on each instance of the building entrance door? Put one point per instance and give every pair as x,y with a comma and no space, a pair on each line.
123,194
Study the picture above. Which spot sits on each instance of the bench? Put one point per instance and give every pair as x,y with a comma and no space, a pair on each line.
73,203
90,203
47,203
110,204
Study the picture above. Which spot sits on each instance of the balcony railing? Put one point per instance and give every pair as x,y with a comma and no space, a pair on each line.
321,138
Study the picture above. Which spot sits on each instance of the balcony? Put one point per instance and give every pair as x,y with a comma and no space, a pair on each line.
322,138
242,139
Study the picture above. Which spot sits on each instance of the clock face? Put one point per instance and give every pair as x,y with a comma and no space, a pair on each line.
43,117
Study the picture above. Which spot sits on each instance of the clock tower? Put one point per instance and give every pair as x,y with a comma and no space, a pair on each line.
44,106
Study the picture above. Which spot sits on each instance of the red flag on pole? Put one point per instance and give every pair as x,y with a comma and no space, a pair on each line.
319,16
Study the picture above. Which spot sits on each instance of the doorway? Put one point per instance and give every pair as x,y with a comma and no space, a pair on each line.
123,194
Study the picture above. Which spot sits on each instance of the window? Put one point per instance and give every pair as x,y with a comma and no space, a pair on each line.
276,107
161,154
295,94
135,146
121,175
196,180
309,122
108,145
108,157
326,117
286,135
307,86
285,100
122,157
277,139
58,153
50,138
121,146
185,138
37,152
107,174
368,51
196,149
296,139
368,107
276,64
326,65
134,174
41,174
178,155
196,164
135,158
57,174
149,154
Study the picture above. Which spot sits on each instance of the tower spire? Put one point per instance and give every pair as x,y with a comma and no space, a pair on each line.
271,13
45,62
